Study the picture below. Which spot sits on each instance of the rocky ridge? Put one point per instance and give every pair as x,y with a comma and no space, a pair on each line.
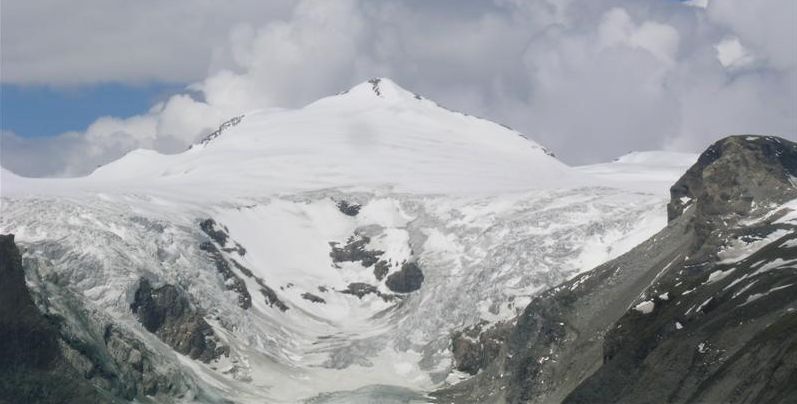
704,311
55,352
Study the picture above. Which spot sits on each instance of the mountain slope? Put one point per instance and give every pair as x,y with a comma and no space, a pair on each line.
651,171
341,243
33,367
376,135
701,312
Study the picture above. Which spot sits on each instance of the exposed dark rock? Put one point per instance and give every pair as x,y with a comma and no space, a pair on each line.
29,339
647,355
209,226
93,355
313,298
348,208
734,172
360,289
167,313
221,235
268,293
244,270
406,280
381,269
231,280
222,128
135,373
375,86
33,368
354,251
476,346
669,321
271,296
409,278
239,249
322,289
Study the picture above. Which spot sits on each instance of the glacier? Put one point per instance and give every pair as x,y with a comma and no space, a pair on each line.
488,216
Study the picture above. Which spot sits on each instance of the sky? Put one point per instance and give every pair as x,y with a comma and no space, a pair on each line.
83,83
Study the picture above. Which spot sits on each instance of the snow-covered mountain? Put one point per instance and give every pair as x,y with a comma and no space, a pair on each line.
376,135
324,253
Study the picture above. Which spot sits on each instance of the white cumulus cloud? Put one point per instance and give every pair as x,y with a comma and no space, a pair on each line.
589,79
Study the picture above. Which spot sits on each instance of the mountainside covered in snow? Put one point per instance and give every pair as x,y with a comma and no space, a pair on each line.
325,253
650,171
374,136
705,311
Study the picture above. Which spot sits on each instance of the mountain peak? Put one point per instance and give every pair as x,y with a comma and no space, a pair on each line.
737,174
381,87
377,135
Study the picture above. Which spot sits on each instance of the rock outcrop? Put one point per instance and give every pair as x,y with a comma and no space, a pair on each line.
348,208
231,281
220,236
354,251
361,289
71,355
735,176
33,368
166,312
475,347
313,298
408,279
704,311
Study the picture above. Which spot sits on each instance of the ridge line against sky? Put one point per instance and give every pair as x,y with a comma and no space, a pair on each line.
590,80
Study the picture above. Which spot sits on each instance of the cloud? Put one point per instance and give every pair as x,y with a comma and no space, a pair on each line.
68,154
731,53
617,29
590,80
168,127
63,43
768,26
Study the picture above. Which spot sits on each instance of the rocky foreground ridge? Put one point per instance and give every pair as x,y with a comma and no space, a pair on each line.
49,358
704,311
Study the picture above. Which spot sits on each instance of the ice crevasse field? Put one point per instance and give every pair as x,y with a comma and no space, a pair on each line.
366,228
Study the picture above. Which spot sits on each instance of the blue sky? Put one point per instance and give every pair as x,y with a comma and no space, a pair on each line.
40,111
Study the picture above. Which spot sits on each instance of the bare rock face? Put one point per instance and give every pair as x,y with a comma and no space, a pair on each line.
735,172
349,208
355,251
72,356
676,319
167,313
360,289
406,280
381,268
271,296
232,281
475,347
33,368
28,338
313,298
210,228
